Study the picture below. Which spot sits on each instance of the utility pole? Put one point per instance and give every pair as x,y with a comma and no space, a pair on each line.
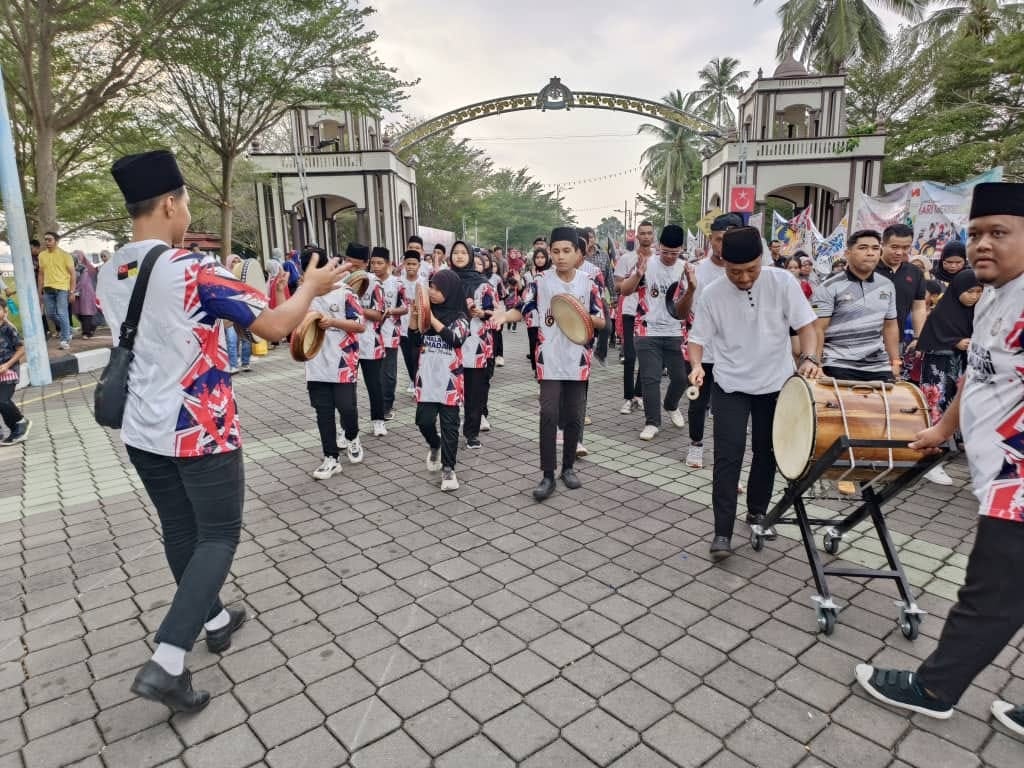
668,184
17,233
300,169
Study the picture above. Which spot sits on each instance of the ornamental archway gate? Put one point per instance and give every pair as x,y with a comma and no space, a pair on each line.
553,96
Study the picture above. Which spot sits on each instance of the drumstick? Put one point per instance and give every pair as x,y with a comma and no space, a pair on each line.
692,392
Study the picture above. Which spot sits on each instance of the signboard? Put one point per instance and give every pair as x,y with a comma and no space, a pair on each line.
742,199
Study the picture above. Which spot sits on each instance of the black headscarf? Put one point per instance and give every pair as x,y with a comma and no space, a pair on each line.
471,279
950,321
951,250
454,304
547,259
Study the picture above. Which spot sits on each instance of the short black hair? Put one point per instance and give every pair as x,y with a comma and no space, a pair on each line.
440,247
414,239
896,230
146,207
540,239
933,286
34,242
52,234
307,256
773,242
646,223
852,239
588,231
193,245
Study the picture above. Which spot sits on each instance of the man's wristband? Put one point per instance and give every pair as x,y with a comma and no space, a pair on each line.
810,359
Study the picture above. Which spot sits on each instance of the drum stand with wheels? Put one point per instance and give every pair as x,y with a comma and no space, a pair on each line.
871,506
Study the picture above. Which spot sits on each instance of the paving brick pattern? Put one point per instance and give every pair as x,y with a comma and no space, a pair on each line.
395,625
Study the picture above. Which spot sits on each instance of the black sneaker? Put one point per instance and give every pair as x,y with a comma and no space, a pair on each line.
570,479
1011,717
544,488
900,688
473,442
18,434
721,548
389,416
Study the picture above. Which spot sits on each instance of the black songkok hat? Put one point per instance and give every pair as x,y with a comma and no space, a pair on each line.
357,251
726,222
672,236
411,255
997,199
380,252
147,175
742,245
565,233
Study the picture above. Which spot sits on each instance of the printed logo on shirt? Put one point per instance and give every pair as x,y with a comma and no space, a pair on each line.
128,270
549,319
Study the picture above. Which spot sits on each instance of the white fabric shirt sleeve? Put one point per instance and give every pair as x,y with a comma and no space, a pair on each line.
798,311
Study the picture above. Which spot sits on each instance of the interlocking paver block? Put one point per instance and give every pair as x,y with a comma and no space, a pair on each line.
475,753
413,694
153,746
681,741
600,736
236,748
362,723
316,749
441,727
520,731
525,671
485,697
636,706
286,720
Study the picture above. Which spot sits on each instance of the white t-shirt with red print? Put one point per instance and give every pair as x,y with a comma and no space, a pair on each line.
992,402
390,330
559,358
371,342
478,348
338,359
439,378
180,402
652,317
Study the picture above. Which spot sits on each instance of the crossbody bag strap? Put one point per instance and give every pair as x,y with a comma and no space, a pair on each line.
130,326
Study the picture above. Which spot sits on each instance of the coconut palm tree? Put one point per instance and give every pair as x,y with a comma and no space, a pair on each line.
674,159
979,19
720,81
830,34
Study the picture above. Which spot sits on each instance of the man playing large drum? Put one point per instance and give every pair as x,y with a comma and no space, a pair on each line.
747,316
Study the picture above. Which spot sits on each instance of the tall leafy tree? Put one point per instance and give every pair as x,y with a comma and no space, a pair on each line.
610,228
976,19
721,81
238,72
673,161
830,34
515,200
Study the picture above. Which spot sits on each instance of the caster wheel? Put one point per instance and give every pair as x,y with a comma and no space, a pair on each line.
756,542
910,625
831,544
827,620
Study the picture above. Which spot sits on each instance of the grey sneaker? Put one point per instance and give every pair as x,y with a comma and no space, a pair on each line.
448,480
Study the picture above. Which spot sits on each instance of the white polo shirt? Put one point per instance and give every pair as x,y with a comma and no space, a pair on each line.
750,330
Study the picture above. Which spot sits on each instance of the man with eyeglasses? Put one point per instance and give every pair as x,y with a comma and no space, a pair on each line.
908,279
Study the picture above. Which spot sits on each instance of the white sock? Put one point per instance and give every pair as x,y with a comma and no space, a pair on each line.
171,658
220,620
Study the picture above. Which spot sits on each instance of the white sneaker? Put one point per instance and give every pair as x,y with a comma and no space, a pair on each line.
355,451
627,408
581,450
328,469
559,438
649,432
448,480
500,362
695,457
234,370
937,475
434,460
379,430
587,420
677,418
485,425
410,390
65,345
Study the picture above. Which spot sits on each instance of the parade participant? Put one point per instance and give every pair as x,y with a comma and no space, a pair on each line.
409,341
897,240
371,342
438,258
12,352
747,316
659,335
540,263
951,263
625,266
415,243
989,610
775,248
708,271
180,420
477,347
331,376
439,377
563,367
57,282
390,331
84,304
858,339
493,275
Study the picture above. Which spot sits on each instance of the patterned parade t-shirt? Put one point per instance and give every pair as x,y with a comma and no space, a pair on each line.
180,402
479,347
371,342
559,358
338,358
389,329
652,317
439,378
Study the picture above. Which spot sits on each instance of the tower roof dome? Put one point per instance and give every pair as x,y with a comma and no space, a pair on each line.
790,67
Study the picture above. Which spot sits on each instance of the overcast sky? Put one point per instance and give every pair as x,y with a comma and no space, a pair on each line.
471,50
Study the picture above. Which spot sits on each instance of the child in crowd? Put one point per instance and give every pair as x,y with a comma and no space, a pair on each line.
380,265
410,337
12,352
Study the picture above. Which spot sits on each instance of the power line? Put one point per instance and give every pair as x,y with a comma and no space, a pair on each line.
565,185
559,137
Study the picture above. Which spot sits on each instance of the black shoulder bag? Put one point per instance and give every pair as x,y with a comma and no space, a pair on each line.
111,392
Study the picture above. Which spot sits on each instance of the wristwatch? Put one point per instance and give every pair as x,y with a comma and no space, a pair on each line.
810,359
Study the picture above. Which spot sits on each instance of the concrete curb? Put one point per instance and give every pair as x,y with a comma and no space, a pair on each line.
72,364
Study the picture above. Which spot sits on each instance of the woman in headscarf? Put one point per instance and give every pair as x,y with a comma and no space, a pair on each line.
232,335
277,285
951,263
943,345
84,305
439,377
477,350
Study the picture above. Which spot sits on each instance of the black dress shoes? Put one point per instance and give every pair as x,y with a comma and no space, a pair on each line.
570,479
721,548
544,488
219,640
155,683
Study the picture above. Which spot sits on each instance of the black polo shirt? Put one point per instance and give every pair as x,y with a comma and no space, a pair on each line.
909,283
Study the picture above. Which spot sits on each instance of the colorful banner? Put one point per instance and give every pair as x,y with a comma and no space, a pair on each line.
829,249
797,234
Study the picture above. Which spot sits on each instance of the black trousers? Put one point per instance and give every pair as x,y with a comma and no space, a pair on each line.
389,378
88,323
630,385
852,374
373,378
8,410
698,410
732,412
654,354
601,340
199,501
989,611
327,397
531,334
427,416
487,385
410,346
499,343
476,387
561,403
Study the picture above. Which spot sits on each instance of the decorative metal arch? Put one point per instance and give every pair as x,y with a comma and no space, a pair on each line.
552,96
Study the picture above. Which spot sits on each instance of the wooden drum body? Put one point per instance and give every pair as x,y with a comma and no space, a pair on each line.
812,414
572,319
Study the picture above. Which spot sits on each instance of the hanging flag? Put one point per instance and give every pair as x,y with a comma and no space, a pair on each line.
779,226
829,249
757,222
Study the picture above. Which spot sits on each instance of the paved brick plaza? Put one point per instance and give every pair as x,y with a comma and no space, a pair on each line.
397,626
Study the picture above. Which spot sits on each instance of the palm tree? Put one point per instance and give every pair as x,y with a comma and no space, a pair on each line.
832,33
978,19
720,81
674,157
